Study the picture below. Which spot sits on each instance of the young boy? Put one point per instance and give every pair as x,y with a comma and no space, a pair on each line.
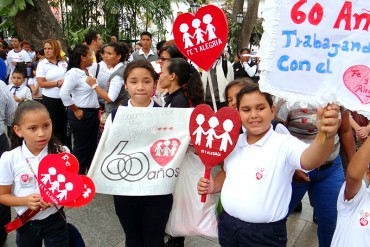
353,228
256,181
19,91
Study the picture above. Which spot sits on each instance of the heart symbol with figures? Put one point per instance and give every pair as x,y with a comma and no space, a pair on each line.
203,36
87,195
59,182
214,135
357,79
163,151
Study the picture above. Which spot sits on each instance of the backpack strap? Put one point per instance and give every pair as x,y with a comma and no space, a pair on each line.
274,123
97,70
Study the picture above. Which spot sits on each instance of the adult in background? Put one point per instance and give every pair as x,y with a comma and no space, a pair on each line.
83,106
323,183
93,41
7,110
145,52
50,76
113,39
17,55
246,67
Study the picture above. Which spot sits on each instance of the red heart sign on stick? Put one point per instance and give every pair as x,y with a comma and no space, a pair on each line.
56,184
203,36
213,135
356,79
71,162
87,195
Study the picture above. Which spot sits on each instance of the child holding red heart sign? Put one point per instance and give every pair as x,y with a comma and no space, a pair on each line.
31,141
255,184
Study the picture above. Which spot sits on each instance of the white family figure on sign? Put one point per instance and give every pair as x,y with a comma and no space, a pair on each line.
46,177
86,193
166,150
63,193
198,33
55,185
211,133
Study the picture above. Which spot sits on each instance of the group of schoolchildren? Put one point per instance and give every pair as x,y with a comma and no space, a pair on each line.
255,179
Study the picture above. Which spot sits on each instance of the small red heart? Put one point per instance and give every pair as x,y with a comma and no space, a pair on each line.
163,151
259,175
305,110
159,129
170,128
356,79
87,195
363,222
71,162
165,128
214,135
304,120
56,184
24,177
203,36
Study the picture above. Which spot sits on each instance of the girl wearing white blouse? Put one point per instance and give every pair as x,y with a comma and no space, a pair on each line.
83,105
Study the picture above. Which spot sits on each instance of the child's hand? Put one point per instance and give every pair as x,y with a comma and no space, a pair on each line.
79,114
205,186
44,205
327,120
33,201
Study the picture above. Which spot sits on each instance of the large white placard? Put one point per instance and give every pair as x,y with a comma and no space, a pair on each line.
140,153
317,51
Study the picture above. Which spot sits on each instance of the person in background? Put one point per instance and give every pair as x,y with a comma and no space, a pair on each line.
215,81
145,52
93,41
246,67
113,39
7,110
19,90
17,55
138,46
3,70
156,64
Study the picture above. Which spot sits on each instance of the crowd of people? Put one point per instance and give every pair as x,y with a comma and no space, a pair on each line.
56,102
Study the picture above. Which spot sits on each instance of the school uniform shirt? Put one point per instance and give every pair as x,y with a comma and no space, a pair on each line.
33,81
177,99
21,92
7,107
245,69
353,221
257,188
16,56
15,170
51,72
115,84
75,90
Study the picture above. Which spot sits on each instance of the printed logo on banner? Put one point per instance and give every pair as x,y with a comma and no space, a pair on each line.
203,36
364,216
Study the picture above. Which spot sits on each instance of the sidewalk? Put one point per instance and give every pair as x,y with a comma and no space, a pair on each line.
100,227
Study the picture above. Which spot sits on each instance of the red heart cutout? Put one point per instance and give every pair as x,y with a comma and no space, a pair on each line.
71,162
356,79
56,184
214,135
87,195
24,177
163,151
203,36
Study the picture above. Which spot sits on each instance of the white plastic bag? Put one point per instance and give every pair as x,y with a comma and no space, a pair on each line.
189,216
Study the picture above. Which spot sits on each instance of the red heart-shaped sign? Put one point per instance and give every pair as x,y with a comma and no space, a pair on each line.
56,184
70,161
214,135
163,151
356,79
203,36
87,195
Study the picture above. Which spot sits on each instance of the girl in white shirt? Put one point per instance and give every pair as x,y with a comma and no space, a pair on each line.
83,105
31,141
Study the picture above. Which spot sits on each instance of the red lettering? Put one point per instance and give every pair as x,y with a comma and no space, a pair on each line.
344,15
316,14
298,17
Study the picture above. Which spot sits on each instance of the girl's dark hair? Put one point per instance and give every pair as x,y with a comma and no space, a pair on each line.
120,48
75,56
54,146
251,88
188,78
172,50
140,63
238,82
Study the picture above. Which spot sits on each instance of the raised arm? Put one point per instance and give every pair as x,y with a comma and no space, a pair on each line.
356,170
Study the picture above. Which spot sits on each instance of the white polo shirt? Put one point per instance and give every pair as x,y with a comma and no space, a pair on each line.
23,92
353,221
75,90
257,187
51,72
13,56
14,170
115,84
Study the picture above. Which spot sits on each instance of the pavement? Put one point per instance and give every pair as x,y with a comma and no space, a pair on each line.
100,227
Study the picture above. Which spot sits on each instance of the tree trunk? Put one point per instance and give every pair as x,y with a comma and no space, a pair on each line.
37,23
250,19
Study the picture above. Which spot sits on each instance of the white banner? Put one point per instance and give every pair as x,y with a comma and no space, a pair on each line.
317,51
140,153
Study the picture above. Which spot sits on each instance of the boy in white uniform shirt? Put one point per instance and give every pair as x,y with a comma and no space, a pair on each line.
17,55
19,91
255,184
353,222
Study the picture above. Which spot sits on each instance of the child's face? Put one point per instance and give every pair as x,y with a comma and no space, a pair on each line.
35,127
140,85
256,115
17,79
231,95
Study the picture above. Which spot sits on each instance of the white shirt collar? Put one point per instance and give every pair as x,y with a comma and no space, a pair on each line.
150,52
150,105
27,153
260,142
